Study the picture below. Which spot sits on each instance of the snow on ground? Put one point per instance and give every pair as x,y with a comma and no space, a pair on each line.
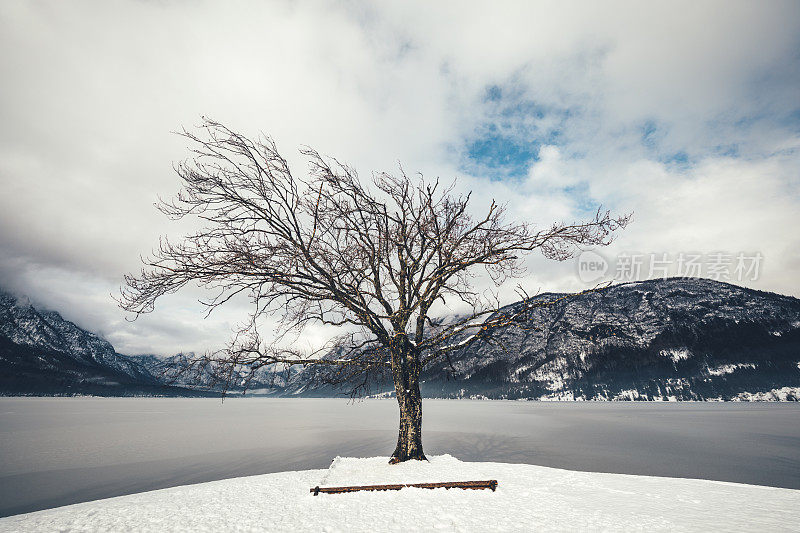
528,498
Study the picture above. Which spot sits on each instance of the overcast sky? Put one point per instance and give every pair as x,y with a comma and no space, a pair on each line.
685,113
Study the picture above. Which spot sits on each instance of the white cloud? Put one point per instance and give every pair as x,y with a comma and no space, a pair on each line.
90,92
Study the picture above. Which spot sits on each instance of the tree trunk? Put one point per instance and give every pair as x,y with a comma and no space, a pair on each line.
406,368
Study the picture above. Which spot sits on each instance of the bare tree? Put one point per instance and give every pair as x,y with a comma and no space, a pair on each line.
373,258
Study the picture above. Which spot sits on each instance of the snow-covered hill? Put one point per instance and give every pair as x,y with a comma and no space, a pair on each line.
673,339
528,498
178,370
686,339
42,353
23,324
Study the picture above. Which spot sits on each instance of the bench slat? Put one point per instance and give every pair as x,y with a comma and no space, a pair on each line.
489,484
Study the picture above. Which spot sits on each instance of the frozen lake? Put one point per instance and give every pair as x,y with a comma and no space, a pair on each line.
57,451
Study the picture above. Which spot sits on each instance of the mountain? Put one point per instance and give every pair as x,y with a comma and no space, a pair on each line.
665,339
42,353
672,339
174,370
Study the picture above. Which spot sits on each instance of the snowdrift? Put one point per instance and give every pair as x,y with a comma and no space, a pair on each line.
528,498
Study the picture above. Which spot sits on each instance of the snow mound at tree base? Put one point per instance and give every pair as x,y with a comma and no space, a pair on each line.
528,498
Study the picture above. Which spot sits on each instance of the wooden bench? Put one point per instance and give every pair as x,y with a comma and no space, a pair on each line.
490,484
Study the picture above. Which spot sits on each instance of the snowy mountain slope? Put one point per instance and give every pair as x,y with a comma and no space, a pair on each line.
687,339
23,324
673,339
42,353
172,370
528,498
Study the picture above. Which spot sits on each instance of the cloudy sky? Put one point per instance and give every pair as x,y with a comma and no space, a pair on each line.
685,113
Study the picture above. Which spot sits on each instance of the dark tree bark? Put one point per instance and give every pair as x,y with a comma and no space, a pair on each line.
372,259
406,368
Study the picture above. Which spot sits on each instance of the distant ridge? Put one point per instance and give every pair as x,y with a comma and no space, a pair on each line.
662,339
41,353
